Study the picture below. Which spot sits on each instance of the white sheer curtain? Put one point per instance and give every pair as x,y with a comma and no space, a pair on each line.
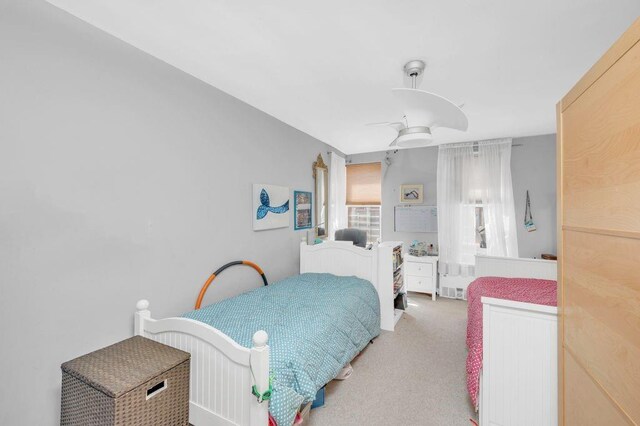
337,194
474,178
494,165
456,211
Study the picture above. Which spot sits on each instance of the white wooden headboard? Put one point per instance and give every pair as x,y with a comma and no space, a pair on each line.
340,258
513,267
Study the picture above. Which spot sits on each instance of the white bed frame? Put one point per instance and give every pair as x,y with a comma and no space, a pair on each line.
221,379
515,267
221,370
342,258
518,382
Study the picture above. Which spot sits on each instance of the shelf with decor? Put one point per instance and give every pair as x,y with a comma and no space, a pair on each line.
391,288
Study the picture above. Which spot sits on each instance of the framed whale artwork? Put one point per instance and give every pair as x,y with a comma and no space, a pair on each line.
270,207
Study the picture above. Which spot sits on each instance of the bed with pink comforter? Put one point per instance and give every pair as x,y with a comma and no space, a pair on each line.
529,290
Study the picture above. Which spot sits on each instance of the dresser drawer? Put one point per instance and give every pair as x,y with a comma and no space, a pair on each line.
420,284
418,269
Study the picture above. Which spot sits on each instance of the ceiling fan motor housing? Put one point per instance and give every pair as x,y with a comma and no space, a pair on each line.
414,68
413,137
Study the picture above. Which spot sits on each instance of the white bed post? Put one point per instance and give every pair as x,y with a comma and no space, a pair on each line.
142,313
260,368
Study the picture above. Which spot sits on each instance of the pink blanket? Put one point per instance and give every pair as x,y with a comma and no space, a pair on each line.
542,292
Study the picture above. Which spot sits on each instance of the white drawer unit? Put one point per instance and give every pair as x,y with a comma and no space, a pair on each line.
421,274
419,269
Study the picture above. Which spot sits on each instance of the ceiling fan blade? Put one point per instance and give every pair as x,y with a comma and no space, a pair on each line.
394,143
396,125
430,110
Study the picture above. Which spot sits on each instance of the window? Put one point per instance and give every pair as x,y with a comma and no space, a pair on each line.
475,215
364,192
366,218
475,204
481,237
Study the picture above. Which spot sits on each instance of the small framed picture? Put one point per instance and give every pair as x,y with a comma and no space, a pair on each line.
302,210
412,193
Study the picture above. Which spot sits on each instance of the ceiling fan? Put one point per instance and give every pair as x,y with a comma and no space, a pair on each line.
423,111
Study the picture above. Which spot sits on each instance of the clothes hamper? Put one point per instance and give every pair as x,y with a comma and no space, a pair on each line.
134,382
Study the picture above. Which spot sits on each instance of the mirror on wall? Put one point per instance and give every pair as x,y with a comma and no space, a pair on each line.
321,197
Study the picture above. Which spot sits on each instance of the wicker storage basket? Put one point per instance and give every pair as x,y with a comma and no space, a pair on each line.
134,382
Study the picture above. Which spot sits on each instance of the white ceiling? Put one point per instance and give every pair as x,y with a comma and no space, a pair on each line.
326,67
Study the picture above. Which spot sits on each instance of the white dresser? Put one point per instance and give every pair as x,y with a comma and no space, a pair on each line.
421,274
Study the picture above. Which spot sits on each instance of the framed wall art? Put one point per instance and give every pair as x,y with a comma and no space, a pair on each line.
412,193
270,207
302,210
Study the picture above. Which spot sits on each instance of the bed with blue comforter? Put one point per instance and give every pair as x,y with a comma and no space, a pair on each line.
316,324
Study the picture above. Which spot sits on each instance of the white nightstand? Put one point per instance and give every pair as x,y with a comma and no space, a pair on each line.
421,274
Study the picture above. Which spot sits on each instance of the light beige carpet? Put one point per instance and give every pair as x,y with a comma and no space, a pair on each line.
413,376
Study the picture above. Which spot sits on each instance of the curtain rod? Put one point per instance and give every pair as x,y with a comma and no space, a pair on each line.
478,143
513,144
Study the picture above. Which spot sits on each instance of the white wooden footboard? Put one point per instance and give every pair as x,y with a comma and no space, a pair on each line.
518,383
221,370
520,364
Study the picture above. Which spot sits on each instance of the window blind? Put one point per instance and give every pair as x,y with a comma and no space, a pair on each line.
364,184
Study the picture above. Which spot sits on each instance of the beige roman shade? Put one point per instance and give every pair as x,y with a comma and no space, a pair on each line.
364,184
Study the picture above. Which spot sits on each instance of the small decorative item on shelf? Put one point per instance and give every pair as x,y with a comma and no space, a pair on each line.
418,248
397,282
400,302
397,258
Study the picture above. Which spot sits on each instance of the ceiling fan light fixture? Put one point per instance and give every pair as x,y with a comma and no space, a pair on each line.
422,111
414,137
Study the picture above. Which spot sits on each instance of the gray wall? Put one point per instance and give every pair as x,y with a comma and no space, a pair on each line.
533,167
121,178
417,165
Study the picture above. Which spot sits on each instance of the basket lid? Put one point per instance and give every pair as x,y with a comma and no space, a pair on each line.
121,367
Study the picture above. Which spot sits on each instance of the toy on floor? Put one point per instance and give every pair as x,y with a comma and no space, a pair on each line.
319,401
345,373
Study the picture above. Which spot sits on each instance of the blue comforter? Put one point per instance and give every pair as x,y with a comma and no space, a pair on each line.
316,324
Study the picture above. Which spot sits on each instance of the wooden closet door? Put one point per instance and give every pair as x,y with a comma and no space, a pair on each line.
599,241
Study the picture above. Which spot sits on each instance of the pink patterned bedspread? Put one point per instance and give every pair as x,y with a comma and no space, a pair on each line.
529,290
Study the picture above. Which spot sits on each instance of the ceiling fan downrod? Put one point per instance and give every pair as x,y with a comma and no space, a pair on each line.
414,69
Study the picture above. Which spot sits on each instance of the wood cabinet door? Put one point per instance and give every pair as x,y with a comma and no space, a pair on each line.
599,241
